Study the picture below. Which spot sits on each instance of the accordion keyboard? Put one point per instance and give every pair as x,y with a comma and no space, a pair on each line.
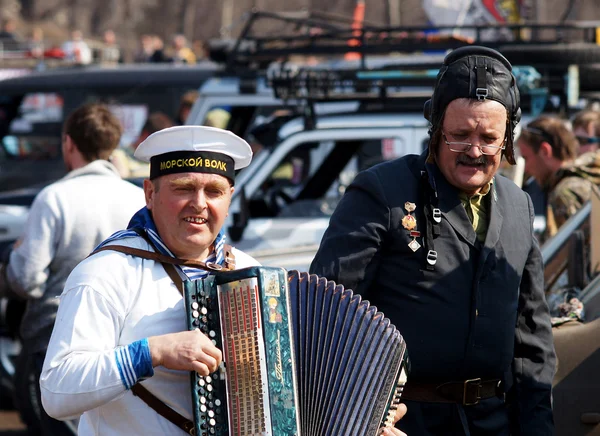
302,357
210,411
243,353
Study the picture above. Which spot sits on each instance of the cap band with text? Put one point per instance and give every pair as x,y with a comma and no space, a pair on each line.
192,162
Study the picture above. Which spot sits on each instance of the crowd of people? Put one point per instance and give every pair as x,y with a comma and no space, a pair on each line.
437,241
106,51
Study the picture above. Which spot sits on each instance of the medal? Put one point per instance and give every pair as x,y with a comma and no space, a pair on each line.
409,222
414,245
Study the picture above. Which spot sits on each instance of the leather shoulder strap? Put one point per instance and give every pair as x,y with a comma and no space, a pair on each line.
153,255
168,264
166,261
162,409
174,275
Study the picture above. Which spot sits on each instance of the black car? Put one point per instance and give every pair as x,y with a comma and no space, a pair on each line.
33,108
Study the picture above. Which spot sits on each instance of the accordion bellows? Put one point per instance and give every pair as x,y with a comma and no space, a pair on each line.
302,356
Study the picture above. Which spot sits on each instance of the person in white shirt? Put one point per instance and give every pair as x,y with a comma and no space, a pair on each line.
121,322
121,318
66,221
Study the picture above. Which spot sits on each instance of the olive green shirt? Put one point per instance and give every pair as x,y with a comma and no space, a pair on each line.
477,210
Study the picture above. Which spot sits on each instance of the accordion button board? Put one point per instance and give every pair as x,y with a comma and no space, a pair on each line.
301,356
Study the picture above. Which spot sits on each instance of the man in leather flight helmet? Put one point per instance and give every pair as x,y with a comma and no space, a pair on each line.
459,78
446,250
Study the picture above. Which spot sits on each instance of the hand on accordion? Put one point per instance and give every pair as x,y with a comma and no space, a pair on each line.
400,412
185,351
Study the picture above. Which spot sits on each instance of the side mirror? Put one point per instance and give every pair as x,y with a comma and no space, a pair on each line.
240,219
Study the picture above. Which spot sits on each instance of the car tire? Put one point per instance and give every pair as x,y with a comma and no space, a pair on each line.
555,54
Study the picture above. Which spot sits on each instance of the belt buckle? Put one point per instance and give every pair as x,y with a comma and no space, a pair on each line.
466,383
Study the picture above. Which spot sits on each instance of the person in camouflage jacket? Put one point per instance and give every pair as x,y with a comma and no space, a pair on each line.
550,151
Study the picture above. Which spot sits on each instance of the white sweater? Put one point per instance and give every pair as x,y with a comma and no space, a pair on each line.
66,221
112,300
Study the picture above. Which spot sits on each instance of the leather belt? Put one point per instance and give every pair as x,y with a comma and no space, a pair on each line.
467,392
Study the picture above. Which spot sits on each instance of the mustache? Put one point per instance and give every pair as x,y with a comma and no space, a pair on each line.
467,160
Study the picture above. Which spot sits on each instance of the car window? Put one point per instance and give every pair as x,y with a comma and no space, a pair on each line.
31,124
31,133
132,118
34,134
133,106
39,107
288,178
312,178
240,119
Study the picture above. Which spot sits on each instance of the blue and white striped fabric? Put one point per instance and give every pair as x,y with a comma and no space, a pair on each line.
142,220
134,360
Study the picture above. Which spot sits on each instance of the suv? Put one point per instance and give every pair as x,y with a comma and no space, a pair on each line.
284,199
338,122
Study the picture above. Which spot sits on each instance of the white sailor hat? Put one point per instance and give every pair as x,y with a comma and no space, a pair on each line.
194,149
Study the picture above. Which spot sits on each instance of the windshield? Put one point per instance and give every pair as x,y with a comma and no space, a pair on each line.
30,144
31,124
31,127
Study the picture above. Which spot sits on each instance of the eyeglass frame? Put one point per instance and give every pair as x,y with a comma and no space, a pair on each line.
470,145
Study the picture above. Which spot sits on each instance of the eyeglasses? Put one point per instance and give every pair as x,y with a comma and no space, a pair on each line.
463,147
585,140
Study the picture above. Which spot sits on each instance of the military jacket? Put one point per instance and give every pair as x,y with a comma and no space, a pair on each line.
479,313
569,189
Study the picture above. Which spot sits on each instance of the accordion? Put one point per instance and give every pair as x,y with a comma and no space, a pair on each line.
301,356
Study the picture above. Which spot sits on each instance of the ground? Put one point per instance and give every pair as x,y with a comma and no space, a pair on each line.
10,424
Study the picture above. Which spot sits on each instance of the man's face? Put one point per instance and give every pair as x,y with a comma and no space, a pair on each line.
189,210
535,164
479,123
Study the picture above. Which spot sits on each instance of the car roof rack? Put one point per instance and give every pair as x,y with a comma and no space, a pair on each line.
342,85
404,89
268,37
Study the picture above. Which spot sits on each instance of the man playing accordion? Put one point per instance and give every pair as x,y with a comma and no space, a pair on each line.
121,318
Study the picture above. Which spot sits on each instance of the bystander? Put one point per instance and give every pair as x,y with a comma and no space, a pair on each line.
66,221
